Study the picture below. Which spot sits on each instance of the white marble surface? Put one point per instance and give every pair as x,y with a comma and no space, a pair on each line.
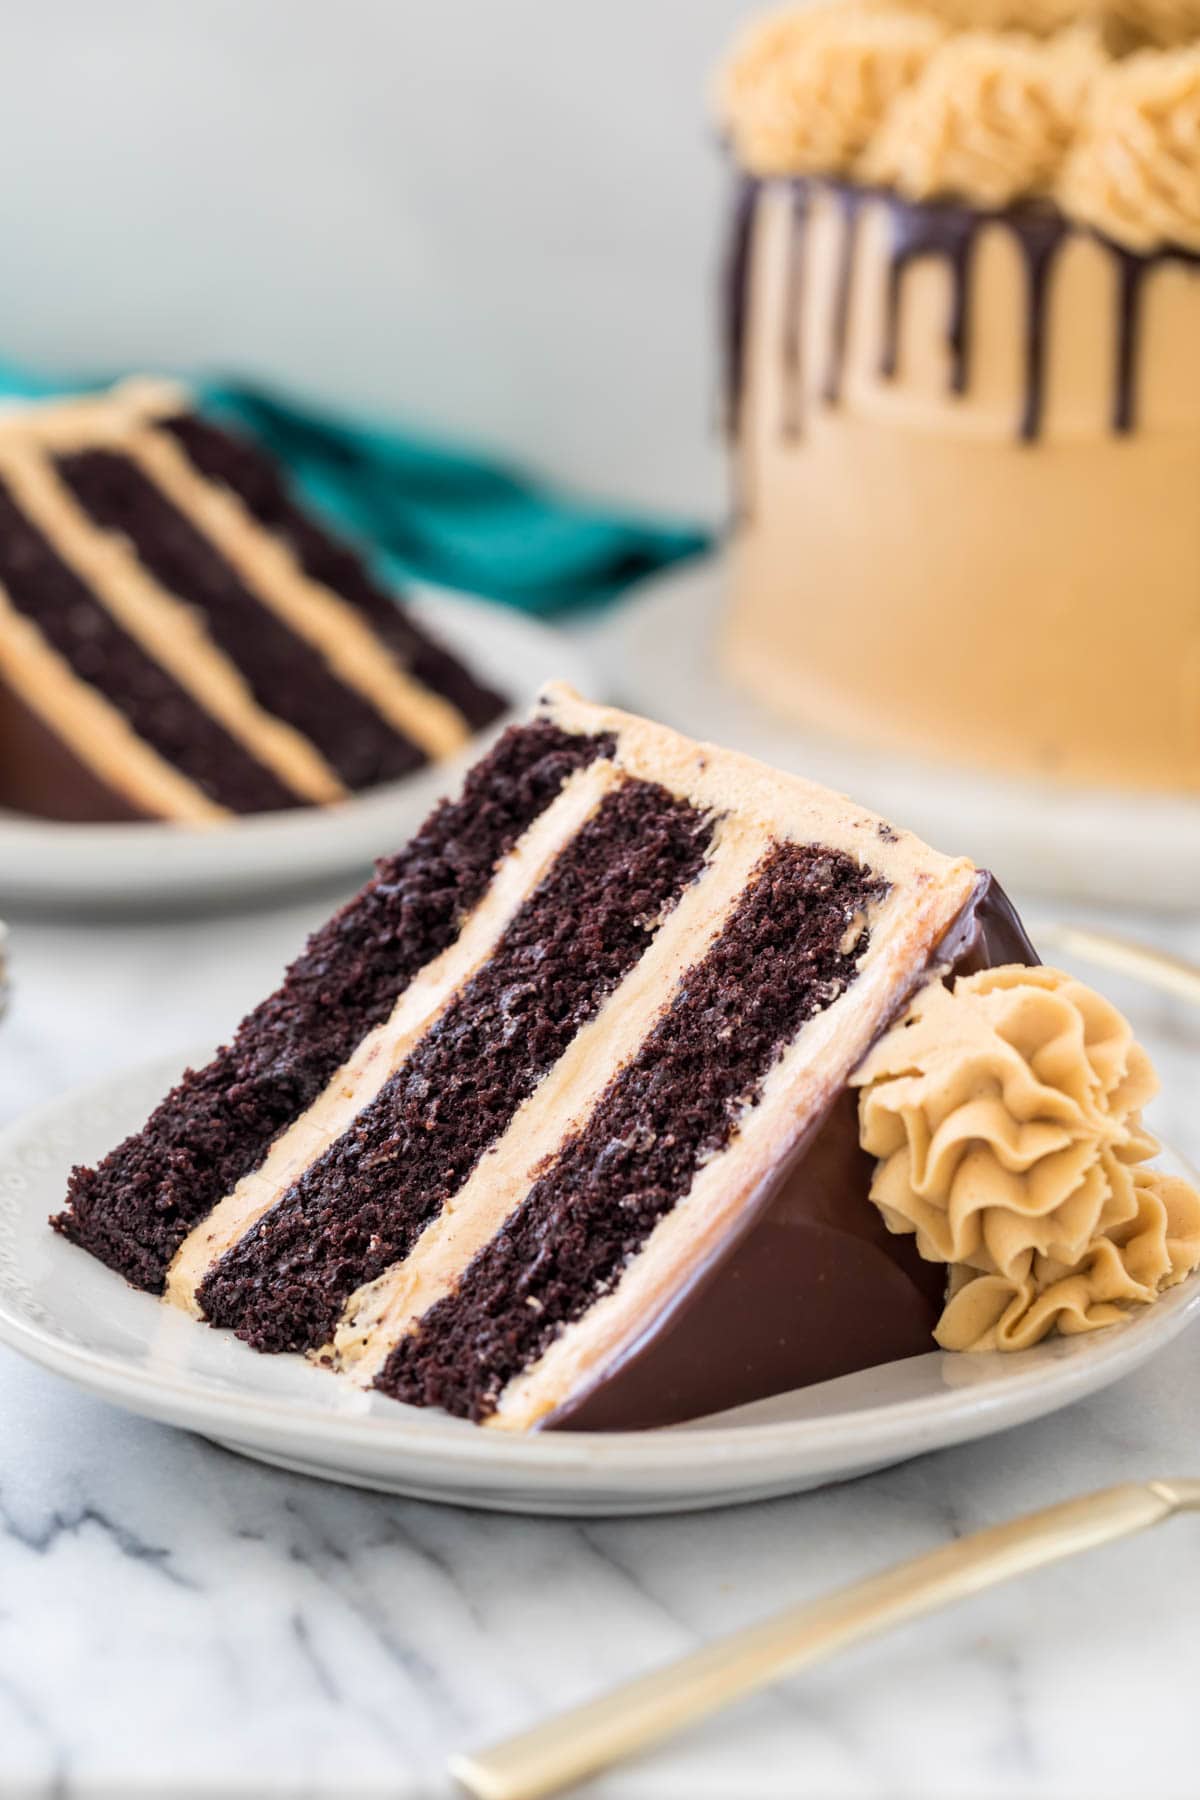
174,1621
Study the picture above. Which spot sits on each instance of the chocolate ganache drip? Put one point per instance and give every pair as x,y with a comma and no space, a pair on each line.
850,201
949,230
793,331
737,297
1040,236
917,231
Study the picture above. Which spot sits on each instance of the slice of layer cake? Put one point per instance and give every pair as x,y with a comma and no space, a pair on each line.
555,1123
180,640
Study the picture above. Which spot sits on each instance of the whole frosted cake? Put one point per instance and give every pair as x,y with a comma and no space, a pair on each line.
963,322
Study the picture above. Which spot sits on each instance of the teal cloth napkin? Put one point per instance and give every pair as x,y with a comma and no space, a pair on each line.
441,514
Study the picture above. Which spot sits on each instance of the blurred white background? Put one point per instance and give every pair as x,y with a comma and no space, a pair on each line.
498,218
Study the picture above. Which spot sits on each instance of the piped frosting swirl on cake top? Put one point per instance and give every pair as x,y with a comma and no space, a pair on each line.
991,117
1005,1114
807,90
1042,103
1124,22
1134,169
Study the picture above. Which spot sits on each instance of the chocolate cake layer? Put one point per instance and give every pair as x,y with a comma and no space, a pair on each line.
240,466
787,952
361,1206
286,674
134,1210
46,590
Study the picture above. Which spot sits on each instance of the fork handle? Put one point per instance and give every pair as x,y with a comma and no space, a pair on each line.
575,1744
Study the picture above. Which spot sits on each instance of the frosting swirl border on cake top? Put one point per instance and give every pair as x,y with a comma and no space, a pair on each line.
1037,102
1134,170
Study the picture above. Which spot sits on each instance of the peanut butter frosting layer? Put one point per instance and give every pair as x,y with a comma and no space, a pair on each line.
1043,101
1005,1115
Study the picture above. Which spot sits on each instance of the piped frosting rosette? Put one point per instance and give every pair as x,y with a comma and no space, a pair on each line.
1153,21
990,116
1134,172
1005,1116
806,88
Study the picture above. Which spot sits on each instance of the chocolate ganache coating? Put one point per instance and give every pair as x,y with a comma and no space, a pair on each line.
814,1286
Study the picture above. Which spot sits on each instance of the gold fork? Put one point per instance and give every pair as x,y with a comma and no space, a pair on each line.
588,1738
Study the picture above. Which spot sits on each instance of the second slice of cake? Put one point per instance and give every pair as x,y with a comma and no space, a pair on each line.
181,639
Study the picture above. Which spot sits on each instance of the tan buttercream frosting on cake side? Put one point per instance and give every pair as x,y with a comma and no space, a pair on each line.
1005,1115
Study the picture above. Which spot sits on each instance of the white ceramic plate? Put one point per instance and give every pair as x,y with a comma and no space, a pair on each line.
92,866
63,1310
1141,850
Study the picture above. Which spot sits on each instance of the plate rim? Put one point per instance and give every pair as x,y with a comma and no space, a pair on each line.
887,1428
